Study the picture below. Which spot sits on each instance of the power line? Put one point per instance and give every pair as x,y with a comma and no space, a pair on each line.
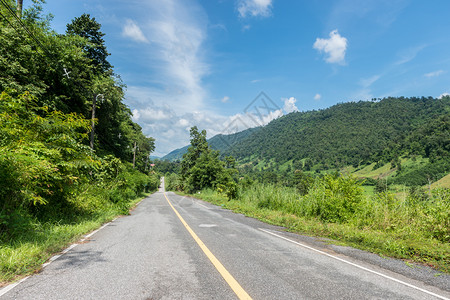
29,33
10,24
47,52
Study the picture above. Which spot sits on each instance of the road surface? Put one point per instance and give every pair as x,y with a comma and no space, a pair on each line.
152,254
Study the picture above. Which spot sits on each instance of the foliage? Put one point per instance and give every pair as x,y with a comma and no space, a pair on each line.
201,167
302,182
349,133
41,70
425,174
416,227
89,28
389,132
44,166
165,166
51,182
40,156
173,182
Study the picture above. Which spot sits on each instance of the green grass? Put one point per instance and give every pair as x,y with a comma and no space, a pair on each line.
444,182
24,255
368,190
384,224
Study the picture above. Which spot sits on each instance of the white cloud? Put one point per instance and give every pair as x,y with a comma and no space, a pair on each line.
289,105
132,30
246,27
406,55
317,97
444,95
170,128
225,99
334,47
255,81
434,74
348,13
176,59
254,8
367,82
365,93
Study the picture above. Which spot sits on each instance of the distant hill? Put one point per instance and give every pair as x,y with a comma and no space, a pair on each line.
353,133
219,142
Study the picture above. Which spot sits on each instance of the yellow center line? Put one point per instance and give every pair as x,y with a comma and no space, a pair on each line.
235,286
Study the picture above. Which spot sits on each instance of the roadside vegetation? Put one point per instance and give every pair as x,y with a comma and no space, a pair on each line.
59,181
415,227
408,222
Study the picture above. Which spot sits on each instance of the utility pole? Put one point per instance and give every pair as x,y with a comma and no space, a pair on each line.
94,104
134,155
19,8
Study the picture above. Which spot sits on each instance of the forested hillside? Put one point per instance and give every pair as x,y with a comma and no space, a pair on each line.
350,134
71,158
354,133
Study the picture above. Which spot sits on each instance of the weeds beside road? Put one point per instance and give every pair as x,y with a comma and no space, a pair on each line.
415,227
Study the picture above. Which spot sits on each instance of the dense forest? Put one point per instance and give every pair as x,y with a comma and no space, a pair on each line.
69,151
351,134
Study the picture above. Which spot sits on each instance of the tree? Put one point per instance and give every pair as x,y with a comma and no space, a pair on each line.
302,182
198,146
201,167
89,28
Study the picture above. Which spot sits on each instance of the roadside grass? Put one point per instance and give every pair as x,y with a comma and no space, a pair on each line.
25,254
402,227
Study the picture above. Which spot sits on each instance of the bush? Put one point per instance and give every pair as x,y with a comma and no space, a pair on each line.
173,182
333,199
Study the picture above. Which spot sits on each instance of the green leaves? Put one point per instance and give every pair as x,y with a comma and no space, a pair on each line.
201,167
88,28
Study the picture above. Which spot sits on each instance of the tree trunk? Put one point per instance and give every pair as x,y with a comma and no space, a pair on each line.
134,155
19,8
94,103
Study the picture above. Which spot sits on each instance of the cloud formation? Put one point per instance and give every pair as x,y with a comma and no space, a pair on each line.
444,95
225,99
334,47
132,30
406,55
367,82
317,97
289,105
176,30
434,74
254,8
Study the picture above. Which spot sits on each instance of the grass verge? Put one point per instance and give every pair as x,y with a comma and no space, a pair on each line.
25,254
403,242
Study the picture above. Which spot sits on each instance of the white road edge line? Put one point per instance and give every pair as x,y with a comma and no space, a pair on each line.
356,265
9,287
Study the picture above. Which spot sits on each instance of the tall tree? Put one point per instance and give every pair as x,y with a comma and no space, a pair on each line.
89,28
198,146
201,167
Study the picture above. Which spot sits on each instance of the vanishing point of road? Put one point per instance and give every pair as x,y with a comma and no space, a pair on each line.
174,247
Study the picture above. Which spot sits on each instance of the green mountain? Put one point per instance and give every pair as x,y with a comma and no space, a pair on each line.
392,130
353,133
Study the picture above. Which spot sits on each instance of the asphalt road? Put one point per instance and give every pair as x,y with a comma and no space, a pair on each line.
151,255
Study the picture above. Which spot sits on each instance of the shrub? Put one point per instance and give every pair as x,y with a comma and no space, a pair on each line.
333,198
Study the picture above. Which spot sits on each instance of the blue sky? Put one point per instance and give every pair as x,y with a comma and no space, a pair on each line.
202,62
